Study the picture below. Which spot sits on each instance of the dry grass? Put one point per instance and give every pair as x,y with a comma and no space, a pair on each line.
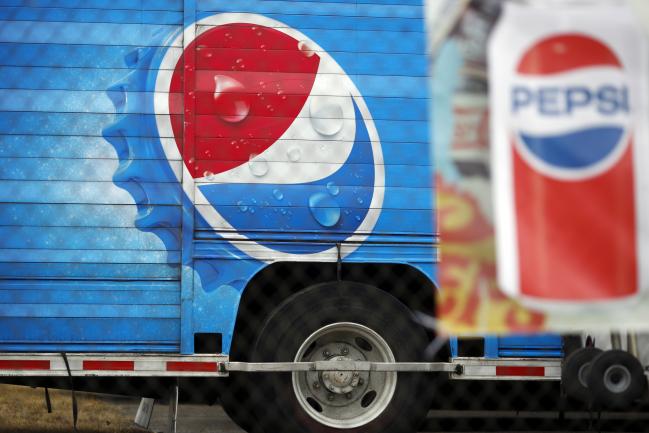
23,410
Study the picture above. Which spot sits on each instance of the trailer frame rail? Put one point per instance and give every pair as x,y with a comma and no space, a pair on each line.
219,365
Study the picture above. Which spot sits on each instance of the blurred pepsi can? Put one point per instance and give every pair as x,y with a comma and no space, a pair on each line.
568,96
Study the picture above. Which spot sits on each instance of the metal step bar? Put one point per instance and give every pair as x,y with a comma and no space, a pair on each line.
160,365
508,369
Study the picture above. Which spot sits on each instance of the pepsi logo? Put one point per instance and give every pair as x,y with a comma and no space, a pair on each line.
273,134
570,109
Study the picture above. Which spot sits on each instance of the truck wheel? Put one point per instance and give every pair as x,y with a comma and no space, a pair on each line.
616,379
343,321
238,397
575,372
238,392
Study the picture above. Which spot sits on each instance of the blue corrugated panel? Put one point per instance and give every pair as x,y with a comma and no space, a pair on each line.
543,345
91,250
77,270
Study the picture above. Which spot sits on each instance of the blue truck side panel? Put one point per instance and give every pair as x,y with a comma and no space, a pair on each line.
517,346
77,272
102,246
97,243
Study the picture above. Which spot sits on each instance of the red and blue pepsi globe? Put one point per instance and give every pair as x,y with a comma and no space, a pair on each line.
272,133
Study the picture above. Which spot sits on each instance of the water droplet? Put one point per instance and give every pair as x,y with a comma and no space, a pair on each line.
242,206
294,154
207,173
192,160
359,200
258,165
239,60
333,188
326,115
283,211
358,217
230,95
305,48
324,209
252,210
278,194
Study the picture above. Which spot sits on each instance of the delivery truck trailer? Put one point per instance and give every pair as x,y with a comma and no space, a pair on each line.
204,188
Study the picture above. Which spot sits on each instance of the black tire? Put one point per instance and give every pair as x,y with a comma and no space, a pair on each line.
616,379
238,396
297,318
239,392
575,373
571,343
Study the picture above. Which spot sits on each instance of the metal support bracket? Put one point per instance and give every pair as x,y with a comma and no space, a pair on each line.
173,408
144,413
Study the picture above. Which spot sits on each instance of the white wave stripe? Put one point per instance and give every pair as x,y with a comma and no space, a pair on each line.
324,131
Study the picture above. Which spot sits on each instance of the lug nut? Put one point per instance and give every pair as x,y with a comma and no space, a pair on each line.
361,381
330,397
344,351
326,375
316,385
326,353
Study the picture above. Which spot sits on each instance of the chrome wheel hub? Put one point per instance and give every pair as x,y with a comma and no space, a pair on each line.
340,382
617,378
344,399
